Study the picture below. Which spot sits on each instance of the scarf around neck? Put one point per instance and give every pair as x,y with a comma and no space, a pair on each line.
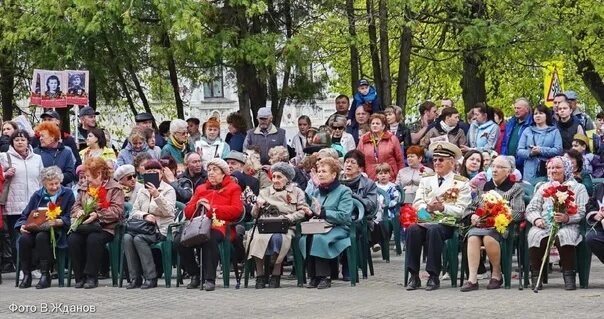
446,127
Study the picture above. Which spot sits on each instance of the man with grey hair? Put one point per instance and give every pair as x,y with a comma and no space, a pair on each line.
266,135
177,145
514,127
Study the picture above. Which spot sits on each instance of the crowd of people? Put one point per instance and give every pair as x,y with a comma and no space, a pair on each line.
85,189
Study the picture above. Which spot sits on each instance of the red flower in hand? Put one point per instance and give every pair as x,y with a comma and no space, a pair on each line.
52,206
480,212
571,210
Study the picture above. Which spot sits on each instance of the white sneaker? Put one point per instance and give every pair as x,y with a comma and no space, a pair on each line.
445,276
486,275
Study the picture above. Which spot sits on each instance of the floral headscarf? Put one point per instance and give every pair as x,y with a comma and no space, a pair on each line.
568,168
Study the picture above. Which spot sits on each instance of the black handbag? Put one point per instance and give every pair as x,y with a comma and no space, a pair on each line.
135,226
273,225
197,230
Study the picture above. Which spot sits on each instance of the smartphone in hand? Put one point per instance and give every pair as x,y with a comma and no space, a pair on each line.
152,178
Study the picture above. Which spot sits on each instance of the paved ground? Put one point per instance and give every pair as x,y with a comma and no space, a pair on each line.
380,296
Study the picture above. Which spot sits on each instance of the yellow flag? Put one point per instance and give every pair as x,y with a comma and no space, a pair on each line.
553,80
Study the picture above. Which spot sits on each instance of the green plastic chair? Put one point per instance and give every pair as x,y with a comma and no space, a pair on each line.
225,248
115,249
165,246
450,259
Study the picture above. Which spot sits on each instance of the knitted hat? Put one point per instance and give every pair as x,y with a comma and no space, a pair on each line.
284,169
212,122
220,163
123,171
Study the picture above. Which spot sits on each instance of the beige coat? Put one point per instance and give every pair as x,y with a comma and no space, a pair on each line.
292,210
162,207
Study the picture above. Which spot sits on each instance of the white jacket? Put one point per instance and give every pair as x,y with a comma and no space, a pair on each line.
25,182
209,150
162,207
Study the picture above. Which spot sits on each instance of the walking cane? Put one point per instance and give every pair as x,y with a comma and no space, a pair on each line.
247,249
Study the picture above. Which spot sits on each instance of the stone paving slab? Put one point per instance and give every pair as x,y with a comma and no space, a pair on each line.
380,296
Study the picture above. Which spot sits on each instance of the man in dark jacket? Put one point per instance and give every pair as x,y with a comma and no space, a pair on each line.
187,182
266,135
66,138
523,118
87,117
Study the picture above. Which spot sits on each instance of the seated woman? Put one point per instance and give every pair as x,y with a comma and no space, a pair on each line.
559,169
36,239
336,209
513,192
290,202
154,205
125,175
220,195
87,242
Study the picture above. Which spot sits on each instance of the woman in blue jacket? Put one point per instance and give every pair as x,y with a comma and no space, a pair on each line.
484,132
539,143
36,238
53,152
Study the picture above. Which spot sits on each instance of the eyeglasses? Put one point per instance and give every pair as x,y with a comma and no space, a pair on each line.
130,177
337,128
182,132
438,159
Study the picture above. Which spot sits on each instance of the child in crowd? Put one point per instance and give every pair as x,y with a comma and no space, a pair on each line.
383,182
366,95
580,145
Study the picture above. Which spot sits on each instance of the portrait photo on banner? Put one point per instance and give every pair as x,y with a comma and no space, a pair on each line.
77,87
35,88
54,88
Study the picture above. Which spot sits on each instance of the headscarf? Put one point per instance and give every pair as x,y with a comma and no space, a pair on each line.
568,168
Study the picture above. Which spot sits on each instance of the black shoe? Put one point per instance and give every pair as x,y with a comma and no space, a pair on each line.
414,282
194,284
570,280
44,281
149,283
433,283
26,281
260,282
274,282
91,282
534,278
469,286
103,275
313,283
209,285
324,283
79,284
134,283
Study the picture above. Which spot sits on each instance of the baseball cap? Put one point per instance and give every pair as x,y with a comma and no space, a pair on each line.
51,113
87,110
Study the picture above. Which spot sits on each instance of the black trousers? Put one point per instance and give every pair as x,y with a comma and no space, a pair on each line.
39,243
434,236
567,255
317,266
86,252
8,240
209,256
595,240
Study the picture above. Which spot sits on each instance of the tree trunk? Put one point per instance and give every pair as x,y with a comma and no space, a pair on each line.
385,55
7,83
402,84
473,80
375,57
120,77
591,78
92,97
180,110
354,52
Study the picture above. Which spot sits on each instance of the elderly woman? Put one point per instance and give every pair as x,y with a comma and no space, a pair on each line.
177,145
87,242
559,169
97,147
336,209
22,174
210,145
220,199
125,175
36,239
408,178
136,145
290,203
380,146
280,154
513,192
53,152
341,141
156,206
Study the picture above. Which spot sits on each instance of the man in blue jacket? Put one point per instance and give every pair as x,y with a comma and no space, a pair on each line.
523,118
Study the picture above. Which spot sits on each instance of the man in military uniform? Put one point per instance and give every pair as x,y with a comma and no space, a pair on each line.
440,201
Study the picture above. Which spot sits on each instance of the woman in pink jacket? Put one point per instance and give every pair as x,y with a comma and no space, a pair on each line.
380,146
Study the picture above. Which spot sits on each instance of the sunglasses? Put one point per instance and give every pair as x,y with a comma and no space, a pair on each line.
337,127
130,177
438,159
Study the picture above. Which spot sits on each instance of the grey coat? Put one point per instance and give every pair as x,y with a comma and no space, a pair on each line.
290,207
537,208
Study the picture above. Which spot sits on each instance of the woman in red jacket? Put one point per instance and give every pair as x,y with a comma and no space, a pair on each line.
380,146
220,195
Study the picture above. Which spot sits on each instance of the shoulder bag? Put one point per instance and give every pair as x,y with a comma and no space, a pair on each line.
197,230
7,181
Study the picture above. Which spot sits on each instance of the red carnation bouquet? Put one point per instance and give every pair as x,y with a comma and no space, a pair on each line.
495,212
